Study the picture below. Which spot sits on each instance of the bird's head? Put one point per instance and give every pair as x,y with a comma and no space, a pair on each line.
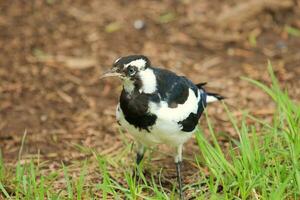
128,67
135,72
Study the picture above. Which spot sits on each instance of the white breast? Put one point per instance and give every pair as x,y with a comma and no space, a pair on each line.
166,129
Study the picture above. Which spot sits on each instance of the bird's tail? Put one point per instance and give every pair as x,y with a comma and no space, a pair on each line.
210,97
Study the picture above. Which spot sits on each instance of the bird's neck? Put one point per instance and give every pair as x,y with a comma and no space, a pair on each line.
144,83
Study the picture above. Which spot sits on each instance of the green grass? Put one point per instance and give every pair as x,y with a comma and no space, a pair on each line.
263,163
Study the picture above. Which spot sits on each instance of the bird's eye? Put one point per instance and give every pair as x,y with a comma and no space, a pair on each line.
131,71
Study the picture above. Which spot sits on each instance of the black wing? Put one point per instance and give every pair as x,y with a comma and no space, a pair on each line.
191,121
172,88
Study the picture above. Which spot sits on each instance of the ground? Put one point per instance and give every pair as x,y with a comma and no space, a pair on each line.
53,53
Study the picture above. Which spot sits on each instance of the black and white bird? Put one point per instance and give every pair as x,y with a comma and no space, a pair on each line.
157,106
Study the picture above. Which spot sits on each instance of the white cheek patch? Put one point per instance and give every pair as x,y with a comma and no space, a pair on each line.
149,84
181,112
139,63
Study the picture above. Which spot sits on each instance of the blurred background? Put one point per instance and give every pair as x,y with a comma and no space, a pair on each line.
52,53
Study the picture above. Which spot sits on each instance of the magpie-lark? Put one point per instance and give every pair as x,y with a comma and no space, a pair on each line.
157,106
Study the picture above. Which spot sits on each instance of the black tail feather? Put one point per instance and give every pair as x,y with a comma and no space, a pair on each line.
217,96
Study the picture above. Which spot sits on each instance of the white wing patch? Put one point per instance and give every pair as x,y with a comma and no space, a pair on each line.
149,84
181,112
139,63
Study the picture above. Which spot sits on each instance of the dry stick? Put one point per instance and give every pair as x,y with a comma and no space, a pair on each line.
22,144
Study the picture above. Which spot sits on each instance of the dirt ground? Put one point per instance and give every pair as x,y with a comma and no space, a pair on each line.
53,52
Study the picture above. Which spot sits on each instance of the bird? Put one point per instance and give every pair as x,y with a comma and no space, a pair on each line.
157,106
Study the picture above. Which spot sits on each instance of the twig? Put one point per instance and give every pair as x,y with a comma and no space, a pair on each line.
22,144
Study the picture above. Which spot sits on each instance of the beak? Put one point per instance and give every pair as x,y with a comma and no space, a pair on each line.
109,73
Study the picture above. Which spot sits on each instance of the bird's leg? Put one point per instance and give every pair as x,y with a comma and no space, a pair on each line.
139,157
140,153
178,161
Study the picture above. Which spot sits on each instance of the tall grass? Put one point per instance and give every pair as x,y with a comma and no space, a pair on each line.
262,163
